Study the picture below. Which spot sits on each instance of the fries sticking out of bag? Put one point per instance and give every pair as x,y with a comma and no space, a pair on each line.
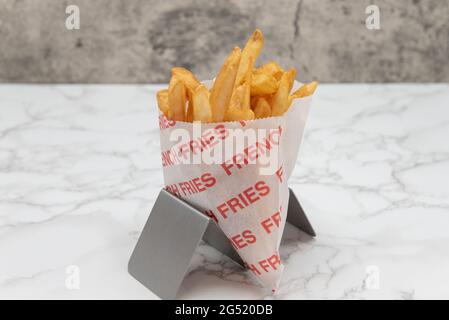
240,91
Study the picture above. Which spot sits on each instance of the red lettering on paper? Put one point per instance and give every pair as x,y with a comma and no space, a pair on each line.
207,140
262,187
234,203
193,186
279,174
222,209
244,199
253,268
211,215
271,222
165,123
252,152
173,189
251,195
273,262
240,241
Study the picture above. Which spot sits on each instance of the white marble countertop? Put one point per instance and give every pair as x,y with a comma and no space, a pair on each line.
80,169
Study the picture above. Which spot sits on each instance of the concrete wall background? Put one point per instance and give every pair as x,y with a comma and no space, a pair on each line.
137,41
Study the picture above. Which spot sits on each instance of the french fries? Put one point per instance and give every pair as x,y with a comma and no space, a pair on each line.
263,84
250,52
239,106
279,101
238,114
271,68
187,77
191,83
221,92
176,99
189,110
262,109
202,111
162,101
246,102
305,90
240,90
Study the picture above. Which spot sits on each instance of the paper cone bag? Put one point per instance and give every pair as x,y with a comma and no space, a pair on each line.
237,173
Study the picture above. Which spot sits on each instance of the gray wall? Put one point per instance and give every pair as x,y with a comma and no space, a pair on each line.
127,41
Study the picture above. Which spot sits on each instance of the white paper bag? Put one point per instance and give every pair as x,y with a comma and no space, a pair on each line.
243,188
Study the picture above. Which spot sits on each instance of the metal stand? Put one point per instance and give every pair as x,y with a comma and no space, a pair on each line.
171,234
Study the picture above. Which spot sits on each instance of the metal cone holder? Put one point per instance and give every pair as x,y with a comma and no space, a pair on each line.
171,234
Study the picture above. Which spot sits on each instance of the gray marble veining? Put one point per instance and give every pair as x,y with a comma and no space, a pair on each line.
80,169
139,41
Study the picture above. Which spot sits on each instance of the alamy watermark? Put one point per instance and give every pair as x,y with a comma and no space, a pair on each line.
372,21
224,146
73,279
72,22
372,280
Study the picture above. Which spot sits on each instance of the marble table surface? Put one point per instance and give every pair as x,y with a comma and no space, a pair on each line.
80,170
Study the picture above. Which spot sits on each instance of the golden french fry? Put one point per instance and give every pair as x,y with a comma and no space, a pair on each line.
306,90
238,96
291,78
250,51
238,110
239,91
241,96
221,92
189,110
177,99
246,101
263,109
202,110
263,84
187,77
239,114
271,68
162,101
253,101
280,101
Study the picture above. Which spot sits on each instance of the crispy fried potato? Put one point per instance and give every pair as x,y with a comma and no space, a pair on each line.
271,68
189,110
263,109
246,102
238,97
191,83
222,89
187,77
241,96
305,90
239,114
202,110
291,78
162,101
263,84
239,108
255,99
280,101
239,91
250,51
177,99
